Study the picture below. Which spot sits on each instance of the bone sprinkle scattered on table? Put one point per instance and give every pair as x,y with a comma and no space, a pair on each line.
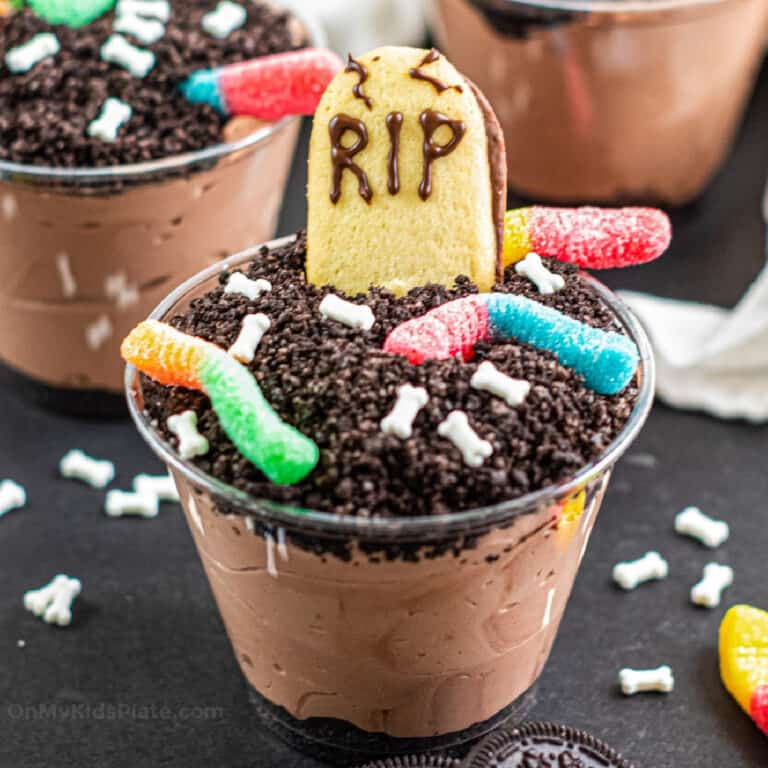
161,486
660,680
694,523
629,575
131,504
709,591
53,602
77,465
12,496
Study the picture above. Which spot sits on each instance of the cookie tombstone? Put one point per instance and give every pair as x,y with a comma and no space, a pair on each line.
407,177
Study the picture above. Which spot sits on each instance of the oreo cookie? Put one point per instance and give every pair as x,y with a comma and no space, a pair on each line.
543,745
416,761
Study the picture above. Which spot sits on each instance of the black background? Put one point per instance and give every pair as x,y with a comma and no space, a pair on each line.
146,633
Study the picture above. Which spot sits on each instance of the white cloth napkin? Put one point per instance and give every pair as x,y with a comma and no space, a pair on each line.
357,26
709,358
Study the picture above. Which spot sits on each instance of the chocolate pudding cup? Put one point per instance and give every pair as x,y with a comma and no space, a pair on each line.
610,100
87,253
365,637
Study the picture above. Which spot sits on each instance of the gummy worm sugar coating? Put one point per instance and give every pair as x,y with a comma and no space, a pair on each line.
744,660
267,88
281,452
592,238
173,358
166,355
607,360
73,13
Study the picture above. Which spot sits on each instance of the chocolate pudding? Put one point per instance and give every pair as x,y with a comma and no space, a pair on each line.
93,232
397,599
622,100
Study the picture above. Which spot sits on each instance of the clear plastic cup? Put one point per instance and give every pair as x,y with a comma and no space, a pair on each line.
87,253
367,637
610,100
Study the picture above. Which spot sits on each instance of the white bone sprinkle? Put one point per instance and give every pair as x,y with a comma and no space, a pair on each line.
271,565
117,50
399,421
545,281
113,115
146,31
64,268
251,333
131,504
191,442
709,591
252,289
118,289
9,207
12,496
25,57
224,20
98,332
490,379
282,547
660,680
357,316
473,449
631,574
161,486
76,465
53,602
149,9
694,523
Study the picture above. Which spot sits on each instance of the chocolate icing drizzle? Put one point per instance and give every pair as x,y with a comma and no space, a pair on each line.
417,74
430,123
341,156
394,126
362,72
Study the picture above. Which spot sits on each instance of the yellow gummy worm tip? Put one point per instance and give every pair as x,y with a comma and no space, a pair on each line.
744,652
517,236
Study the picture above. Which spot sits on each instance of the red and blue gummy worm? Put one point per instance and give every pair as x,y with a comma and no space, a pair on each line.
267,88
607,360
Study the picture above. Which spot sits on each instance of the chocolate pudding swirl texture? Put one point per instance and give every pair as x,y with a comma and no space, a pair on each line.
45,112
335,384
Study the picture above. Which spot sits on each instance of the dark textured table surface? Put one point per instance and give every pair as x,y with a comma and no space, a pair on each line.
145,675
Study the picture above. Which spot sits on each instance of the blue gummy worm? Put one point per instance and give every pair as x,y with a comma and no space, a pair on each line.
607,360
202,87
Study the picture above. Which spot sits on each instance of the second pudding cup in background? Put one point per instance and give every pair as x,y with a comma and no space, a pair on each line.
362,637
610,100
85,253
